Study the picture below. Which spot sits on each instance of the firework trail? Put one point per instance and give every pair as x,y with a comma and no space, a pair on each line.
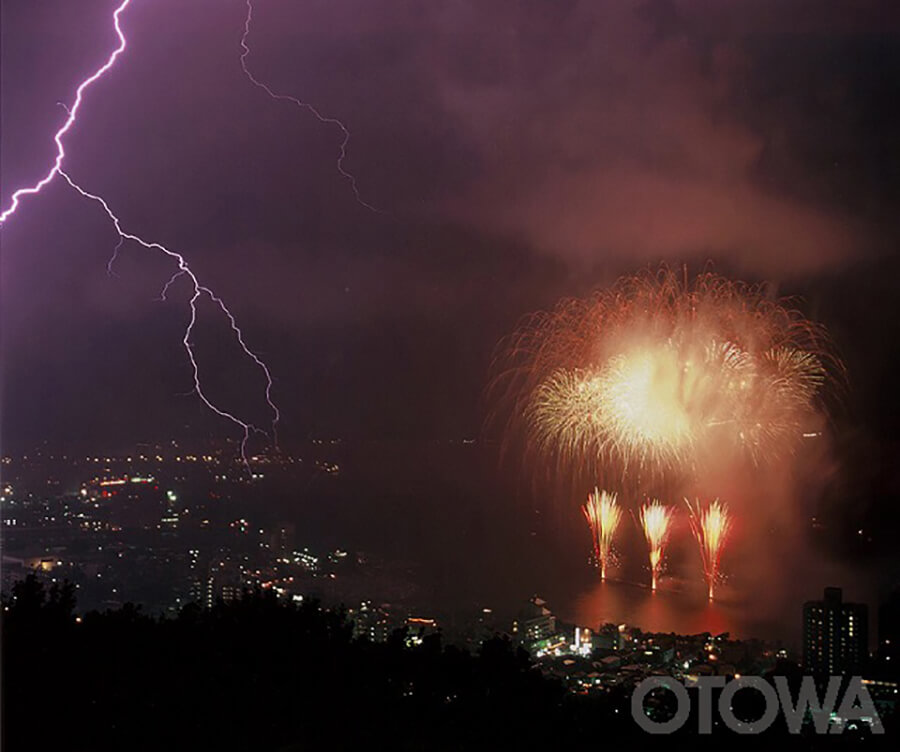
659,375
710,525
183,269
325,119
656,521
591,512
602,514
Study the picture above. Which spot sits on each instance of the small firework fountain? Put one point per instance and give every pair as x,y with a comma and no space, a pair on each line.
602,514
710,525
656,522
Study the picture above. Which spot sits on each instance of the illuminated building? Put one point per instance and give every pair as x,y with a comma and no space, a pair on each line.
41,563
418,627
535,623
583,642
835,635
222,581
889,633
131,501
282,537
372,621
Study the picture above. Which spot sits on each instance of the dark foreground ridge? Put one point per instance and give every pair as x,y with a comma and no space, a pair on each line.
260,674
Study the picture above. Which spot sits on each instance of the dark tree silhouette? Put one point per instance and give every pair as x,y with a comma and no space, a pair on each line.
258,674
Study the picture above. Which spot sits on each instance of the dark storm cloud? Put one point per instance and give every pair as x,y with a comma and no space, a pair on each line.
518,151
642,131
629,132
621,131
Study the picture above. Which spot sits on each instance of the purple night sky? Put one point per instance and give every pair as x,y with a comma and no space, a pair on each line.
517,152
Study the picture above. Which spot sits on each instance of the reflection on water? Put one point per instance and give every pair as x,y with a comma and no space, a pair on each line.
763,602
672,608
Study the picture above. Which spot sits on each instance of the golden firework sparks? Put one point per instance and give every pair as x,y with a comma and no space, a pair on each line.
656,522
658,374
710,525
602,514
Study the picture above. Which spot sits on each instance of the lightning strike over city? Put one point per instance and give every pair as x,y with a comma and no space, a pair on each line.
198,291
495,375
183,269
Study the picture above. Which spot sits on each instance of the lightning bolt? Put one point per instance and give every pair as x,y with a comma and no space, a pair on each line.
325,119
183,269
70,120
199,290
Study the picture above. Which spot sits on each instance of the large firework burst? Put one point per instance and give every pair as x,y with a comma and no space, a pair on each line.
659,373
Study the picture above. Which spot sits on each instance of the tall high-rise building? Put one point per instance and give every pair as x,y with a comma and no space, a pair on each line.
889,633
282,537
835,635
373,621
535,622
